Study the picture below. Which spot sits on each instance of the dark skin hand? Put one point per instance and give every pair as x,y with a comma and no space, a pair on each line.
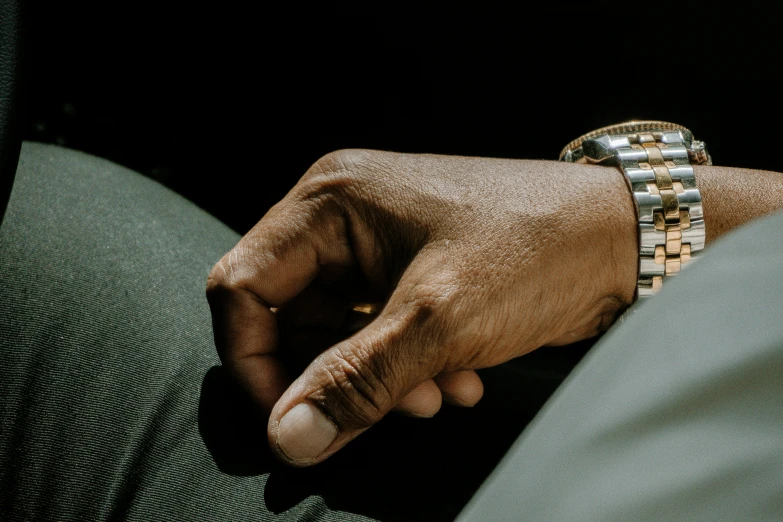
474,261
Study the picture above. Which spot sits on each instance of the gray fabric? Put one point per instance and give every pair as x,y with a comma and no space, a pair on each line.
105,340
676,414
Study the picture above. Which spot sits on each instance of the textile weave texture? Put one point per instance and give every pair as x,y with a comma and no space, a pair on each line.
105,339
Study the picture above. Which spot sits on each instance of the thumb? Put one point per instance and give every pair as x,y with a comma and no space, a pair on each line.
350,387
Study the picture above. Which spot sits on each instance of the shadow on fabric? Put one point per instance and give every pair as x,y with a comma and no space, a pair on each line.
403,468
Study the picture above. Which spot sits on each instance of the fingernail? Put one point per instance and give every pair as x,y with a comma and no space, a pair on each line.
304,432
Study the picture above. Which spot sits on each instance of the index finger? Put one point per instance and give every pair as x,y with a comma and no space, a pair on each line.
269,266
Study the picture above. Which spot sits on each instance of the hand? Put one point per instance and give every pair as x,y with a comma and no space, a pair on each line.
474,260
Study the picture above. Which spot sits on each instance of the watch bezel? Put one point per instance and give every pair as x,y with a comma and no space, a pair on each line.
571,152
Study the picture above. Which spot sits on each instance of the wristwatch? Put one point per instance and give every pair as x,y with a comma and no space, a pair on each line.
657,159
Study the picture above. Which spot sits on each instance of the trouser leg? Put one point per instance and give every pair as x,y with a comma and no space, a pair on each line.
105,339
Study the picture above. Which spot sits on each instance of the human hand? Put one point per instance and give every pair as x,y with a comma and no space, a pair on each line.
475,261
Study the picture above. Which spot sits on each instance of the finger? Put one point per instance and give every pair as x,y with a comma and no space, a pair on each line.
353,384
246,336
460,388
270,265
424,401
301,345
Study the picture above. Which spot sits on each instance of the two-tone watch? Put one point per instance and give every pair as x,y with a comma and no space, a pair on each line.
657,160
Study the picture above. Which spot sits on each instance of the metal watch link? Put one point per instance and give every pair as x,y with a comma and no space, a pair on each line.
657,160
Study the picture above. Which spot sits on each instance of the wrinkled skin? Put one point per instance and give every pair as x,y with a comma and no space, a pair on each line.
474,261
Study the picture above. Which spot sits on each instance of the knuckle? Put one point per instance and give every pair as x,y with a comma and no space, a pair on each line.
434,302
342,171
218,281
439,322
343,160
225,277
357,389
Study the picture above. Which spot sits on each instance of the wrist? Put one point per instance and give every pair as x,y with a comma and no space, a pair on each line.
733,196
604,252
617,250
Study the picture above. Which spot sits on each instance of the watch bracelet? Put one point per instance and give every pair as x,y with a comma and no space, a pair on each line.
670,218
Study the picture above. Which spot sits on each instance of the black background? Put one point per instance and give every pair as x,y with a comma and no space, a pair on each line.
230,103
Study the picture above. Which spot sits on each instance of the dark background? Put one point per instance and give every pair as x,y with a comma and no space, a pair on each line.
230,103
